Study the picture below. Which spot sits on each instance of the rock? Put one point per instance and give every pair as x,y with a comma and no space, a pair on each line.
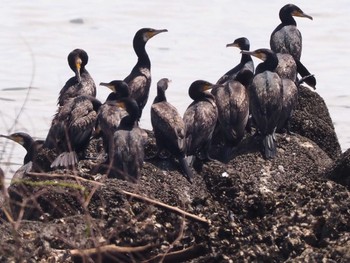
311,119
340,171
248,209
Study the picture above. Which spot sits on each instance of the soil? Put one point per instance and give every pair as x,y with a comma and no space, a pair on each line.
293,208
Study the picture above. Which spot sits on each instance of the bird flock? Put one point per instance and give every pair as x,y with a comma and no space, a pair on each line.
245,98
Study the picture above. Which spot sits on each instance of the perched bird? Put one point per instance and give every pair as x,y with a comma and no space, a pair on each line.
200,119
32,147
169,128
232,99
246,63
232,102
266,97
109,114
139,80
82,83
71,129
287,70
129,143
287,67
286,38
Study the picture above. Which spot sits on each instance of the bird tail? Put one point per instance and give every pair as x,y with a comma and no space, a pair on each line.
270,146
186,169
65,159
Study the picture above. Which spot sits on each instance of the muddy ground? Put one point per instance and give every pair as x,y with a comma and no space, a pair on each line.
294,208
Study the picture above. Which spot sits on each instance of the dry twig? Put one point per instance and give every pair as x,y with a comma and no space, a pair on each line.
163,205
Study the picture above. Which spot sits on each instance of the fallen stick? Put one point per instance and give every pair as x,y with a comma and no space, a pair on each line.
161,204
179,255
63,176
107,249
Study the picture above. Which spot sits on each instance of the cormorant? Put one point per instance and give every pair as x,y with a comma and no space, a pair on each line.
71,129
32,147
128,142
246,63
109,114
232,101
82,83
287,70
139,80
200,119
287,67
266,97
169,127
286,38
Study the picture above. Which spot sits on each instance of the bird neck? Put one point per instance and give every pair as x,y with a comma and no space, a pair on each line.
143,59
29,145
269,64
245,58
160,96
287,19
204,96
128,122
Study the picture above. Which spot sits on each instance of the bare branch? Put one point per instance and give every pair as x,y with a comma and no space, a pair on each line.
163,205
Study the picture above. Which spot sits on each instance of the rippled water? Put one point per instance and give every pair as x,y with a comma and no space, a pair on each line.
36,37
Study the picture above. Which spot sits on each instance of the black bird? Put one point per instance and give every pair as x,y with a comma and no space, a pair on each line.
246,63
71,129
287,67
129,143
286,38
109,114
287,70
32,147
200,119
82,83
139,80
169,128
266,96
232,102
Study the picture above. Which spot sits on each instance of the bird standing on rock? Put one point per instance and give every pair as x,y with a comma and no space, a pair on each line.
286,38
287,70
139,80
232,99
200,119
169,128
109,114
266,96
128,155
82,83
75,118
71,129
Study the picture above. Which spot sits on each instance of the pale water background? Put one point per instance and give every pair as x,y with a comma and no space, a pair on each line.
36,37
